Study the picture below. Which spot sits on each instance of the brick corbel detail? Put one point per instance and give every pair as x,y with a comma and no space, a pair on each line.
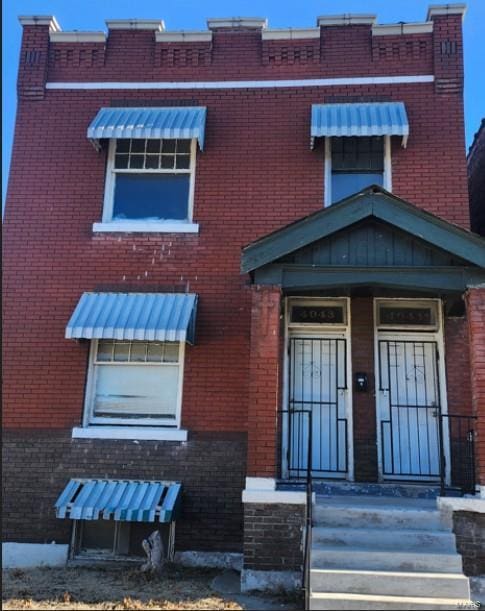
475,300
264,381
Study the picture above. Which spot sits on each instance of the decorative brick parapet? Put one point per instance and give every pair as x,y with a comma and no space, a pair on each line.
448,53
264,381
273,537
38,464
34,61
476,324
469,529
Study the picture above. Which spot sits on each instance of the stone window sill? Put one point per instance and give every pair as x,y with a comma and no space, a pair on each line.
130,432
145,227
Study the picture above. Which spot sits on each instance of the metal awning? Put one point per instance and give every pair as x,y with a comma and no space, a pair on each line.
367,119
168,317
120,500
154,122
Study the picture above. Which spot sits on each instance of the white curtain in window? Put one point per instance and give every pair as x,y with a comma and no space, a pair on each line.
136,390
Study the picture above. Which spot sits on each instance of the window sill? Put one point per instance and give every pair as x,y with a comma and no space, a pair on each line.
129,432
145,227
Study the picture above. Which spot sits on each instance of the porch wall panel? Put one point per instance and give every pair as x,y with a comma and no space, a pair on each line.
364,408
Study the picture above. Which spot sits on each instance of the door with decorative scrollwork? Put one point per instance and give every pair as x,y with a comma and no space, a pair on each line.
317,406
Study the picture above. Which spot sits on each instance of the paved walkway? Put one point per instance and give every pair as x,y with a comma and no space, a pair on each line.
229,582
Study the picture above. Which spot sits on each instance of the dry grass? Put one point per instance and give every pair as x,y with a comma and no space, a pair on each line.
111,588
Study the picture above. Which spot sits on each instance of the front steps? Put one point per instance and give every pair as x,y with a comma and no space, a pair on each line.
383,552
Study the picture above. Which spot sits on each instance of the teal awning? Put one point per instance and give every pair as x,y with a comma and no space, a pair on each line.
120,500
366,119
185,122
166,317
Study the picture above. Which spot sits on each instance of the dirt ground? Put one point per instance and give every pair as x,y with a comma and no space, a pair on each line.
114,588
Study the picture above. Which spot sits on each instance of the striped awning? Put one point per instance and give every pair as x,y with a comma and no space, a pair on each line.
120,500
366,119
166,317
155,122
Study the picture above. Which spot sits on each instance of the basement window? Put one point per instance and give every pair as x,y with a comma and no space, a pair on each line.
107,540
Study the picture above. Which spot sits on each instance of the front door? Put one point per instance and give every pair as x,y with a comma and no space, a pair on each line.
317,415
409,407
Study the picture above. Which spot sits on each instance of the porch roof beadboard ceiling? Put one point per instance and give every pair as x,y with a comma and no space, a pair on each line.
154,122
370,238
364,119
134,316
119,500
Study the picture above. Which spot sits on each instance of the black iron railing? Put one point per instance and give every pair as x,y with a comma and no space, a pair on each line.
328,456
458,432
308,522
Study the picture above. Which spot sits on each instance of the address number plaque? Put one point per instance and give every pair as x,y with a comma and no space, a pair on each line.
317,315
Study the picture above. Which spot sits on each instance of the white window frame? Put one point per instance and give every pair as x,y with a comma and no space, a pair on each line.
338,331
386,177
132,225
91,421
433,304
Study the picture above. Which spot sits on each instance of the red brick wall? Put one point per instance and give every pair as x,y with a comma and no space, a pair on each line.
476,321
457,359
256,174
264,381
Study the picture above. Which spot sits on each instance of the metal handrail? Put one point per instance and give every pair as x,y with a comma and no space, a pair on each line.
308,520
462,452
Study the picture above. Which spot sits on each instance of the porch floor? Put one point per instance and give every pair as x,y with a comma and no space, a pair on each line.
394,490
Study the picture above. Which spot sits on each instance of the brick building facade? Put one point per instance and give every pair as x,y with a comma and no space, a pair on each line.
476,180
256,196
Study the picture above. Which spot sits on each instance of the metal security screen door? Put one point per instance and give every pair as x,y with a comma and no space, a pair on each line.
317,407
409,409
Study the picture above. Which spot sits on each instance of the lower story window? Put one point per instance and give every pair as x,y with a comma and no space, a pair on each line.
135,382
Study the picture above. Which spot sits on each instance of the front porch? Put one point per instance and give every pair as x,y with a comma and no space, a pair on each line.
362,348
365,364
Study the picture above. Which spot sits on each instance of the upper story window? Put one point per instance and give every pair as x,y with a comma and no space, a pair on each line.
354,163
357,144
150,173
150,181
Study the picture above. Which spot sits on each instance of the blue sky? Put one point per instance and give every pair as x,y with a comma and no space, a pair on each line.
191,14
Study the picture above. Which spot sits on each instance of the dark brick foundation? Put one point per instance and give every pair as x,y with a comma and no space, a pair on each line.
38,464
469,529
273,536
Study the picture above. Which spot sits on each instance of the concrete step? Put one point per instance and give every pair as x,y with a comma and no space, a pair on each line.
395,489
382,513
390,539
388,583
349,602
330,557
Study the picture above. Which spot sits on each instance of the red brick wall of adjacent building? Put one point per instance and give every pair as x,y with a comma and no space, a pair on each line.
476,321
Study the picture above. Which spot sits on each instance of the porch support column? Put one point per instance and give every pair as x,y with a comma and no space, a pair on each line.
475,300
274,519
264,381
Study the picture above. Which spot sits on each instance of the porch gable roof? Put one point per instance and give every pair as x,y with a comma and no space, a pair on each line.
373,202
